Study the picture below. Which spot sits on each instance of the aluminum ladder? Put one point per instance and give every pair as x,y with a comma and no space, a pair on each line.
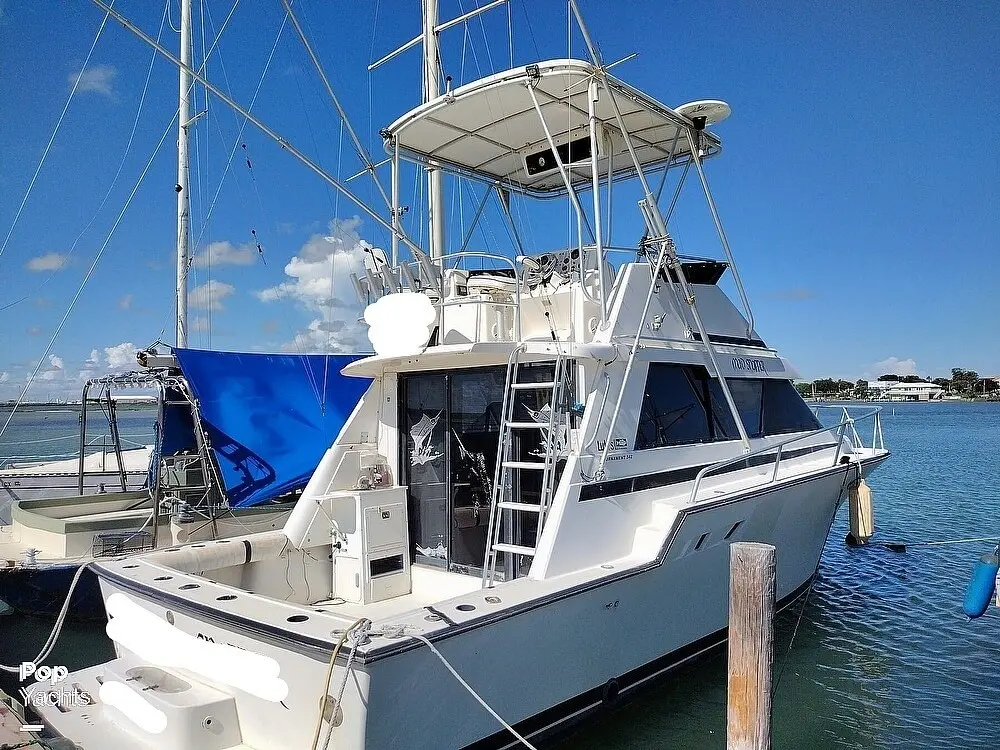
504,506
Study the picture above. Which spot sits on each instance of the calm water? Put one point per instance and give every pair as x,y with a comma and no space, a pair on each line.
54,433
883,656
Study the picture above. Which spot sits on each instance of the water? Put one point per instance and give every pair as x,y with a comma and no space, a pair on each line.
53,432
883,656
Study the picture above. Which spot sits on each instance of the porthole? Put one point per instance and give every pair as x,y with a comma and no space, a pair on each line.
298,618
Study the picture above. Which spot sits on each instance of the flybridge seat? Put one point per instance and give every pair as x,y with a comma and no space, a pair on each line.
490,130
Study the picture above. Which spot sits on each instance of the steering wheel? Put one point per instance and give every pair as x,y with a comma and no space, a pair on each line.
535,276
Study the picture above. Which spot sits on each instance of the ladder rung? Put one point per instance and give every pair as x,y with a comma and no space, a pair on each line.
515,549
528,425
529,507
533,386
524,465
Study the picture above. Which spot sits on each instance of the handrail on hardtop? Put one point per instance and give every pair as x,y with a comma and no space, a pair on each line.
848,421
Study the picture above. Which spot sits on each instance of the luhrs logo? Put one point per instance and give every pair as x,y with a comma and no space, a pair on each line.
750,365
618,444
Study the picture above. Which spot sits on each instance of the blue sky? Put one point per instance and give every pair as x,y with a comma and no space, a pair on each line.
859,184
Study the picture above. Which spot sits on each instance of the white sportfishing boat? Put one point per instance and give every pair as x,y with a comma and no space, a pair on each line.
535,498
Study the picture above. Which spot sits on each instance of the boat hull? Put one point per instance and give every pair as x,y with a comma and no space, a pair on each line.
540,665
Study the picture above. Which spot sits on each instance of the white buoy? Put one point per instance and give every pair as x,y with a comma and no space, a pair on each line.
862,513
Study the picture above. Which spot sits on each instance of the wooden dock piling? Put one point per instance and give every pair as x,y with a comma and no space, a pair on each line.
751,645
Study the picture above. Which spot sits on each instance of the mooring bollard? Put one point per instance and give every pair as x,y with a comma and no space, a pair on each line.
751,645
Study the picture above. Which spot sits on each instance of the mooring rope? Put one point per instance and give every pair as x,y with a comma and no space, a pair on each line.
472,691
53,638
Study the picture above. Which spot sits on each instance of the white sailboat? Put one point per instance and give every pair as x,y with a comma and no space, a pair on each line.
539,489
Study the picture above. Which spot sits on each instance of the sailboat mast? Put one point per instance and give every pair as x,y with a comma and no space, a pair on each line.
183,195
432,89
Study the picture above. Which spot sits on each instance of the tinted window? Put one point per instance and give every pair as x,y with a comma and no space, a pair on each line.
673,409
747,395
784,409
723,424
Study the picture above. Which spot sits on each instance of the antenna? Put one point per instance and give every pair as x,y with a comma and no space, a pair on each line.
432,89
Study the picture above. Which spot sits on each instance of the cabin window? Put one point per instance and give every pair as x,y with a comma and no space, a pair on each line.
747,393
673,408
682,405
785,411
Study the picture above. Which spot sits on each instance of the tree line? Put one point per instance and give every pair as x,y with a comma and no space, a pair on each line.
962,382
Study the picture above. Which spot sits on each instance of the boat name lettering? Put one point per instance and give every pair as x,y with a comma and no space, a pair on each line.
626,457
210,639
612,605
751,365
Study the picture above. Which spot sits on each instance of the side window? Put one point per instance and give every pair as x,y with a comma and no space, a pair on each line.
673,410
785,411
723,424
747,395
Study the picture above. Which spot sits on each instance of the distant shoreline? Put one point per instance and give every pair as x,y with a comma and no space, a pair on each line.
74,405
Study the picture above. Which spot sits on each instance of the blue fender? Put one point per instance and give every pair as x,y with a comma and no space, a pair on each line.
982,585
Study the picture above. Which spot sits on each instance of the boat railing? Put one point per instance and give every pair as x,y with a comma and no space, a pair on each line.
104,442
846,428
414,275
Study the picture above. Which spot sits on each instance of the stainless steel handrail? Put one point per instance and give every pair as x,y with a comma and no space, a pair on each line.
441,302
778,448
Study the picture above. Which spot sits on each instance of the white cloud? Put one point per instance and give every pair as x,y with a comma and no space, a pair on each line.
199,325
47,262
226,253
4,376
33,330
94,358
55,362
125,303
97,78
209,296
121,356
320,282
894,366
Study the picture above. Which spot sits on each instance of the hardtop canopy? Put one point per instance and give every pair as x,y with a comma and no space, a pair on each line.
489,129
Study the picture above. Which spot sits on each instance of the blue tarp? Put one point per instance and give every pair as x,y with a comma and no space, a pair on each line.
270,417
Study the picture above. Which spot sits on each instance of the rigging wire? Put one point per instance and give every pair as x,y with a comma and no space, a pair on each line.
531,33
55,130
260,203
114,180
239,136
171,21
86,278
358,146
267,130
